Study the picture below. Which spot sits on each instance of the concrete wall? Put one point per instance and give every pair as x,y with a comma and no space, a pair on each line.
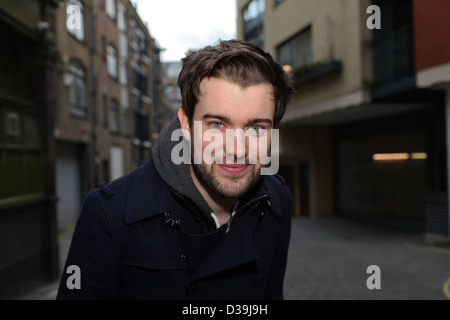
338,33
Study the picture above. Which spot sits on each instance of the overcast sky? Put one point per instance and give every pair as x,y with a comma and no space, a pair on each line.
180,25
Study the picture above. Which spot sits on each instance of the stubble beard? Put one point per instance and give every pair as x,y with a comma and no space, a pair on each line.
227,186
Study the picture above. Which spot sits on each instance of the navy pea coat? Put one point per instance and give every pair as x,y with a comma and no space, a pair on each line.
135,239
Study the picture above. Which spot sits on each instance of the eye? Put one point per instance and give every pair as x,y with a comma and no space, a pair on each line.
217,125
258,130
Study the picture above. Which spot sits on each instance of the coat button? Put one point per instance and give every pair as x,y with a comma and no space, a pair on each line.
259,280
191,290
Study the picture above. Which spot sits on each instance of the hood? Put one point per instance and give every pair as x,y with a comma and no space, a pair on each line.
177,175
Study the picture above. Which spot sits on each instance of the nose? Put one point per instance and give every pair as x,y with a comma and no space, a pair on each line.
236,146
240,148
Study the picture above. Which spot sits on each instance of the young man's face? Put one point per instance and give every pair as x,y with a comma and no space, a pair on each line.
226,107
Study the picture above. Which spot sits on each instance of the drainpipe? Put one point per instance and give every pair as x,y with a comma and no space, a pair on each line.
92,67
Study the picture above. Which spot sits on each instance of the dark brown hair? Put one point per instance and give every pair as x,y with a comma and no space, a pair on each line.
235,61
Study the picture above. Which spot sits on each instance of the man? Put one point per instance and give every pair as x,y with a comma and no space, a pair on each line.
180,228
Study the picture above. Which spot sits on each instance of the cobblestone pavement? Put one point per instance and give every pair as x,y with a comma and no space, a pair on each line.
329,257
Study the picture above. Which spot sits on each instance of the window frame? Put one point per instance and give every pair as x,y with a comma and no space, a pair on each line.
25,180
253,22
296,62
78,81
111,61
110,9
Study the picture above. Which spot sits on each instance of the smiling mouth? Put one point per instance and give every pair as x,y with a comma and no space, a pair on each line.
233,169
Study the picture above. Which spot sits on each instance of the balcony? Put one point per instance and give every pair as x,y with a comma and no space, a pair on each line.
311,73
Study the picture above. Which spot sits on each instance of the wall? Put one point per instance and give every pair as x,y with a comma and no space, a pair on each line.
432,32
336,35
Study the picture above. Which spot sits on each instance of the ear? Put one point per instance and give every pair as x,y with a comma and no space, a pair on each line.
184,123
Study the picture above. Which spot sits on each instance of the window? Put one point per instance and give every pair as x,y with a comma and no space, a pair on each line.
140,79
141,125
123,45
124,97
114,116
111,8
123,73
121,20
296,53
254,9
75,19
117,162
112,61
393,45
21,150
253,16
139,40
123,37
78,90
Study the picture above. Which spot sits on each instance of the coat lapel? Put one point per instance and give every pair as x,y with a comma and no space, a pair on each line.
219,251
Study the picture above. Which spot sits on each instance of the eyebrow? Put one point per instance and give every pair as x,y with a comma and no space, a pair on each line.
215,116
227,119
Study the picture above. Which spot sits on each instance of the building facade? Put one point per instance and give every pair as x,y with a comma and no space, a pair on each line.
28,78
364,135
108,70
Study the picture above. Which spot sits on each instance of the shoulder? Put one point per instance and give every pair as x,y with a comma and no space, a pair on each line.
113,198
135,196
119,185
109,200
276,184
279,193
126,184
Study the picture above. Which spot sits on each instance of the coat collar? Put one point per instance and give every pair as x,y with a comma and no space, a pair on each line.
149,195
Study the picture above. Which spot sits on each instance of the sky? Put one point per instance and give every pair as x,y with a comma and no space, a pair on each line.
181,25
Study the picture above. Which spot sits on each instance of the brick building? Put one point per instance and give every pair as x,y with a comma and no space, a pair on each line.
110,85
